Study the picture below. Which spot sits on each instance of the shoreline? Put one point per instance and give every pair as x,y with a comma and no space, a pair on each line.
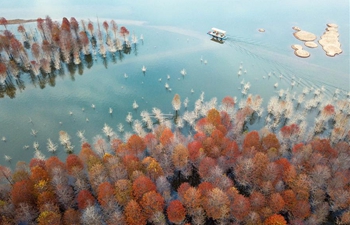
19,21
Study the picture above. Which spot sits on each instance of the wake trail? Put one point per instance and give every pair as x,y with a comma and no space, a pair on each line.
276,60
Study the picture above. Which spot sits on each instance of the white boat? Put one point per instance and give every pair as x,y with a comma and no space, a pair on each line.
217,34
144,69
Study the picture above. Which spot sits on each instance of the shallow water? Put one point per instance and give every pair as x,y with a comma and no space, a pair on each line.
174,38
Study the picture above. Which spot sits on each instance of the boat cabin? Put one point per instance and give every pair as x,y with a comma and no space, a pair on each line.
217,34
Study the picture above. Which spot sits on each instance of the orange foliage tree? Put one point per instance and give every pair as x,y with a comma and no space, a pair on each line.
153,168
166,137
180,156
105,193
275,219
213,117
270,141
134,214
216,204
49,218
136,145
276,203
45,198
38,173
192,199
123,191
151,203
252,139
71,217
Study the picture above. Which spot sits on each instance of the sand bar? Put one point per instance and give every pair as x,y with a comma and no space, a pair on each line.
304,35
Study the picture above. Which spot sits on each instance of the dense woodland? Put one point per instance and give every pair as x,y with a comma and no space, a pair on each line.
202,167
217,174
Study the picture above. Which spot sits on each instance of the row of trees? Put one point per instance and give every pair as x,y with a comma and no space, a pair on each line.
215,176
57,43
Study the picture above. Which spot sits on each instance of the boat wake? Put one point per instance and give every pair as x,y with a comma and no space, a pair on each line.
280,63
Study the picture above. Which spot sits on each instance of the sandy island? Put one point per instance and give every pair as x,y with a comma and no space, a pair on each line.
329,40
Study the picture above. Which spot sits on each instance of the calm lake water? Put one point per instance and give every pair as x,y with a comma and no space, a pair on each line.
174,39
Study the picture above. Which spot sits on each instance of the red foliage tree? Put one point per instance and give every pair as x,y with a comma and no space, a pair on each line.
74,24
151,203
194,151
205,166
182,190
105,26
176,212
328,110
240,207
257,201
141,186
105,193
36,51
3,69
134,214
324,147
166,137
74,163
21,29
301,209
228,102
23,192
85,199
123,191
54,162
91,28
231,152
205,187
124,32
65,25
252,139
275,219
37,162
136,145
3,22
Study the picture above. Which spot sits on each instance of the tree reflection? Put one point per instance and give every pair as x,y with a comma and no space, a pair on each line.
52,49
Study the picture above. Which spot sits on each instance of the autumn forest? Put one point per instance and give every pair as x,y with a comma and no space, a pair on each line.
198,167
